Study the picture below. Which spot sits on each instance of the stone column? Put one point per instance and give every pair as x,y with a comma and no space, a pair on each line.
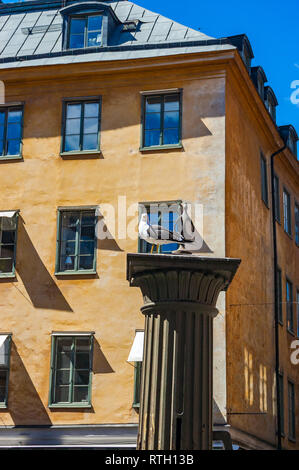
180,294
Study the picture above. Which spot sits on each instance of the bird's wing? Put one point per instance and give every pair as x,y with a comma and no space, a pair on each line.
161,233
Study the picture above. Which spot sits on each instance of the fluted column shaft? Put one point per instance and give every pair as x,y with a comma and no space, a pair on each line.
176,388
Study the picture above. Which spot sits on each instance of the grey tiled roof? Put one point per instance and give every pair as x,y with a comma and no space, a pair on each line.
33,30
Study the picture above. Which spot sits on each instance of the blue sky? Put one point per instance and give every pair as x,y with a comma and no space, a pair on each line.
271,26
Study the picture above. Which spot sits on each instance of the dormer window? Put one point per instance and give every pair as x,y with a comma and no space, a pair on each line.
290,137
85,31
271,102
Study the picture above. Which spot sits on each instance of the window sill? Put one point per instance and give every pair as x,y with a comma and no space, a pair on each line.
75,273
280,322
288,234
266,203
136,405
70,405
3,406
83,154
7,275
291,332
160,147
8,158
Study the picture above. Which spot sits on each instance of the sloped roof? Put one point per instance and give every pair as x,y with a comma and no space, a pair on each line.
34,30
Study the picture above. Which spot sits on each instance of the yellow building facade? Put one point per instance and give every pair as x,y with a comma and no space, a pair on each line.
224,128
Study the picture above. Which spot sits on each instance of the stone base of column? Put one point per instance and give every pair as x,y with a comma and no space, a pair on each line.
180,295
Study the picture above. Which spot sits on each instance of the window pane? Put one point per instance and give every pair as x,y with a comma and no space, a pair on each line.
62,377
172,103
72,126
6,266
62,394
95,23
72,142
69,233
73,111
82,360
78,25
64,344
171,119
171,136
94,39
7,236
152,138
76,41
153,121
91,125
88,218
7,251
87,233
67,263
91,109
2,117
1,147
87,248
153,104
90,142
13,147
1,132
68,248
86,262
82,377
80,394
13,131
15,116
2,394
82,345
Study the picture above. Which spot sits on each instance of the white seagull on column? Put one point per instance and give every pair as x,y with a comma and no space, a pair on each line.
159,235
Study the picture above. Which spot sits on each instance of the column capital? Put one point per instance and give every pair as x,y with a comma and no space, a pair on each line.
172,281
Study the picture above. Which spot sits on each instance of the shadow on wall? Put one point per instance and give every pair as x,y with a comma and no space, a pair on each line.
40,286
25,405
100,363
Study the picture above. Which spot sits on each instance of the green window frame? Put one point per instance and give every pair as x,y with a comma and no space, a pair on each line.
76,251
264,180
85,31
11,131
291,411
287,212
279,295
71,370
277,198
161,120
81,125
137,384
281,392
157,216
8,245
289,305
5,351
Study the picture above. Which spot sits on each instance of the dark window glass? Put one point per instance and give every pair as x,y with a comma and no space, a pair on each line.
77,241
137,384
289,303
279,295
164,215
85,31
82,126
287,212
8,230
281,392
162,122
264,179
292,415
10,131
71,372
297,224
4,368
277,198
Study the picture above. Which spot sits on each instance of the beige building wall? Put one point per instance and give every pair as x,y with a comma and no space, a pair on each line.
37,302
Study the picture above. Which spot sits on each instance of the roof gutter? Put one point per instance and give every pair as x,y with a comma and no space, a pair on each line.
276,306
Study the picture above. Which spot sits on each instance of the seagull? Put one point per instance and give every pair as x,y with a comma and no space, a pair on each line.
159,235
